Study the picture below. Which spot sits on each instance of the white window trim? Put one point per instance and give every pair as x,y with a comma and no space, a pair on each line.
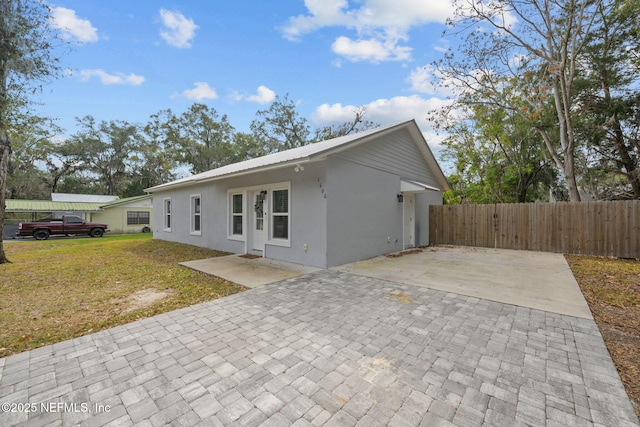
274,241
192,215
246,205
239,237
166,214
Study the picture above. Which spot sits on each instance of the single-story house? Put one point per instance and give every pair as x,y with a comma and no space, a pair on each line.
324,204
127,216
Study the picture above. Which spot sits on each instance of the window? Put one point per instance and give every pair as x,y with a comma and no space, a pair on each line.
280,214
167,214
196,215
135,218
236,215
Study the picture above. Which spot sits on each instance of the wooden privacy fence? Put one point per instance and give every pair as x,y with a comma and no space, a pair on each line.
593,228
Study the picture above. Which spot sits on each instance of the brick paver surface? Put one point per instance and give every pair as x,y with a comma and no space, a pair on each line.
331,349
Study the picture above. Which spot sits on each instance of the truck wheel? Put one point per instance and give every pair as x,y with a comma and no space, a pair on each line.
146,230
41,234
96,232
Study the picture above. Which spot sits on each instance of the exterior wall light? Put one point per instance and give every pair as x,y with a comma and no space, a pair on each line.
400,198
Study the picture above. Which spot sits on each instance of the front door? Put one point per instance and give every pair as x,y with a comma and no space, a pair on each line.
408,220
257,226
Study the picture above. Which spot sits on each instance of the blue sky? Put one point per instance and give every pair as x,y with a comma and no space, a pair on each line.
131,59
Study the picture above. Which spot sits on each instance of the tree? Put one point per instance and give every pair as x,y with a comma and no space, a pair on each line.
245,147
153,161
497,157
358,124
204,138
31,149
280,127
539,39
104,150
199,138
608,99
26,62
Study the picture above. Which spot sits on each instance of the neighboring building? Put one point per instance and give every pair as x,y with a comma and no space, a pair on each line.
127,216
72,199
123,216
39,209
325,204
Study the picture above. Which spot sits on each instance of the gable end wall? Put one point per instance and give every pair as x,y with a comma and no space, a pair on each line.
396,153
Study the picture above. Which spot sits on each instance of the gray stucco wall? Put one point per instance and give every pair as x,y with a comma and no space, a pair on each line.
307,214
364,218
396,153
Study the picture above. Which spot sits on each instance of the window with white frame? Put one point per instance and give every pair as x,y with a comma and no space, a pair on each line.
196,214
167,214
236,215
280,214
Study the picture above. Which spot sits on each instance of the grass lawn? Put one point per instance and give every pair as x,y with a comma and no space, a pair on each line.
612,290
64,288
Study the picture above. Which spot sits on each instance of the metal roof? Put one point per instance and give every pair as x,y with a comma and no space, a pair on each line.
126,200
415,186
13,205
295,155
84,198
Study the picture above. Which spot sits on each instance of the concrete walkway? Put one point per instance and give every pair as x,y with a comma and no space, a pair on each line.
249,272
329,348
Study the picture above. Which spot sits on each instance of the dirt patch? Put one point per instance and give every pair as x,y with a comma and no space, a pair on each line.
402,297
612,290
407,252
143,298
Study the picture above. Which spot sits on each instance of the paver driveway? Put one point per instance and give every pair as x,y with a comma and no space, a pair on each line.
329,348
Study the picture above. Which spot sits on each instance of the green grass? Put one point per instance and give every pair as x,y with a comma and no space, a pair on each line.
64,288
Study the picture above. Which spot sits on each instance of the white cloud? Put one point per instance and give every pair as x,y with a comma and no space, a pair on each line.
379,25
178,30
200,92
322,13
430,81
384,111
111,79
264,96
373,50
421,80
71,27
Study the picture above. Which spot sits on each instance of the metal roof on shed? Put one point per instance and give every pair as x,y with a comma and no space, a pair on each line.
13,205
83,198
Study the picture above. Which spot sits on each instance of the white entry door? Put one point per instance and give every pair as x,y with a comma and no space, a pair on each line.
259,214
408,220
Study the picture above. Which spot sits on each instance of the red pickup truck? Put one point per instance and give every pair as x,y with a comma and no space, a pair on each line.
67,225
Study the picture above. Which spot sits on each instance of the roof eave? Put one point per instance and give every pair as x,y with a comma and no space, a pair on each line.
189,183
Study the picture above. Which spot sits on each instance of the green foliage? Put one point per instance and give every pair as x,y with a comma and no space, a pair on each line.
558,88
280,127
203,138
496,153
26,62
